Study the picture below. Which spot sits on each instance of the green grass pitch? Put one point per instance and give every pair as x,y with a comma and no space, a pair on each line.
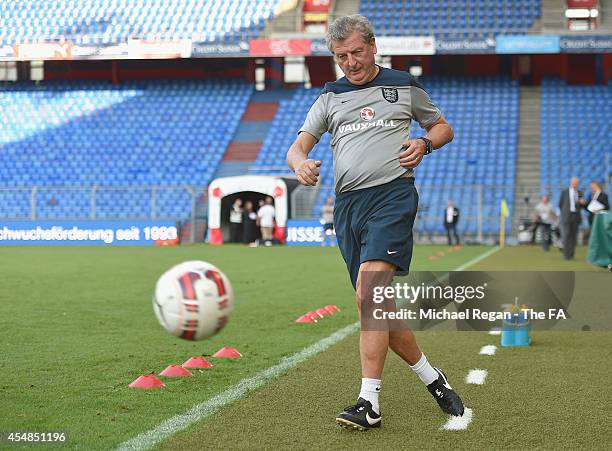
77,326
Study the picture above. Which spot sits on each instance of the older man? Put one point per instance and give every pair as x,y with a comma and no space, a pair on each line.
570,203
368,112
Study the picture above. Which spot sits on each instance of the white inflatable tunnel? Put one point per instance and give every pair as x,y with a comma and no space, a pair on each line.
228,186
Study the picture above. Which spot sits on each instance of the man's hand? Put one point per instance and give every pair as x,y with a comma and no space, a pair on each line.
413,152
440,133
307,172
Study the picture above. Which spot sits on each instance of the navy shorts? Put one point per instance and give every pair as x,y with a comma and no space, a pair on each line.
376,224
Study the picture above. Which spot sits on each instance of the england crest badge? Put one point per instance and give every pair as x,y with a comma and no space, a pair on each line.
390,94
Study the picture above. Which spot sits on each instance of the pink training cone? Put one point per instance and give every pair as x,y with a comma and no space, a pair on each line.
197,362
432,257
332,308
175,371
305,319
147,381
227,352
322,312
440,254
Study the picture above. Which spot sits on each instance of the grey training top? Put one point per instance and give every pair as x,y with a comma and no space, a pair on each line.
368,124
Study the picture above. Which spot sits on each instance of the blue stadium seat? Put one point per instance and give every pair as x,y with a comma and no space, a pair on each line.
445,18
582,112
111,21
78,135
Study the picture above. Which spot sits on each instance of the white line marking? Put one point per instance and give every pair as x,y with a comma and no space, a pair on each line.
459,423
495,332
167,428
476,377
198,412
477,259
488,350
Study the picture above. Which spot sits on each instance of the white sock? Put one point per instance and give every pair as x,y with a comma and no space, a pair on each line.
369,391
424,370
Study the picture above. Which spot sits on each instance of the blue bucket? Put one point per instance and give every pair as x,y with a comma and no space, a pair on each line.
516,330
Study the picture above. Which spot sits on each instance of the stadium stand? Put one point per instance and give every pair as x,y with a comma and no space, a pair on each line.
575,136
113,21
463,18
288,119
140,134
484,115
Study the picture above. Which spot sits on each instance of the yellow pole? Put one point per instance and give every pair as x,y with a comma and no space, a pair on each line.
503,214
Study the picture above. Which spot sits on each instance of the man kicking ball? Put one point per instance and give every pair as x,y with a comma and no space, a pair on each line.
368,113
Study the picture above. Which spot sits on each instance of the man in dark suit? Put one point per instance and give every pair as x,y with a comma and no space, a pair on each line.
451,217
570,203
597,195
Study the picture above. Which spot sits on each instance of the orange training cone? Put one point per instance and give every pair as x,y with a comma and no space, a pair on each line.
322,312
227,352
197,362
175,371
440,254
305,319
147,381
332,308
432,257
314,315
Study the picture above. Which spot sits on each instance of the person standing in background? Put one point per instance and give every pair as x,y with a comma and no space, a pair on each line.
451,218
236,222
249,227
260,203
569,203
327,219
545,216
265,215
598,201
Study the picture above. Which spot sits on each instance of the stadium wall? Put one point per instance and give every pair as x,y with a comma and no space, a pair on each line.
585,68
573,68
122,70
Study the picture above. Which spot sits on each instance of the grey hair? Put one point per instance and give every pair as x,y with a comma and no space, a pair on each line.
343,27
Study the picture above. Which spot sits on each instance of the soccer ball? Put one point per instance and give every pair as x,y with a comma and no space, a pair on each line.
193,300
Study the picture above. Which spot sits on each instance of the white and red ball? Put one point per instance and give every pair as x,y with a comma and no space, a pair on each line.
193,300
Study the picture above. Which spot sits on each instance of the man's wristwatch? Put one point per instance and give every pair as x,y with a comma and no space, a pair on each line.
428,146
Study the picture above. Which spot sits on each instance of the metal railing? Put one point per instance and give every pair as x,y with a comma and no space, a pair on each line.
474,214
479,206
303,200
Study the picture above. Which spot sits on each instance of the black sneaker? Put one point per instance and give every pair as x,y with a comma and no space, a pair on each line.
448,400
361,416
